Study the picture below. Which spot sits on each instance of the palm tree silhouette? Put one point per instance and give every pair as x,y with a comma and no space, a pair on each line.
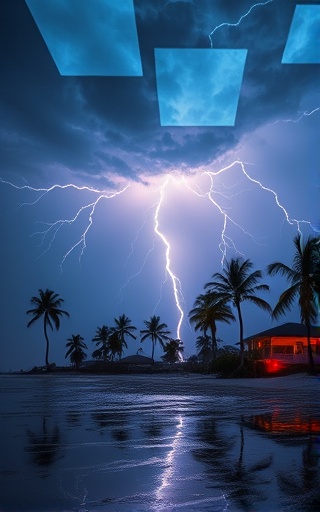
47,305
156,331
204,347
76,350
208,309
172,351
115,345
102,338
303,277
236,284
123,328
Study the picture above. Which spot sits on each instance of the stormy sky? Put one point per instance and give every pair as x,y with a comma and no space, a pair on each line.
186,130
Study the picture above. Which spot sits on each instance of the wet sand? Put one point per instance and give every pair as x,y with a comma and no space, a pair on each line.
159,443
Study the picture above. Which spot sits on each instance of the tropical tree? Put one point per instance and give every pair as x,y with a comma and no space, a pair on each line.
208,309
115,345
172,351
76,350
204,347
124,328
237,284
156,331
101,340
47,305
303,277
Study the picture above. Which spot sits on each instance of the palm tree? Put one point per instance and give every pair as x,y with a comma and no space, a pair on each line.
76,350
47,305
115,345
124,328
172,351
237,284
156,331
208,309
102,338
204,347
303,277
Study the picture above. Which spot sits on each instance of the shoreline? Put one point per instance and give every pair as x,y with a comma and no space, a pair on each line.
294,380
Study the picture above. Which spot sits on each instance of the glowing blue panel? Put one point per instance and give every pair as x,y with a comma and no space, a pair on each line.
90,37
303,44
199,87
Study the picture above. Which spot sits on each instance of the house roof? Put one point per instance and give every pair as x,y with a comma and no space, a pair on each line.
136,359
289,329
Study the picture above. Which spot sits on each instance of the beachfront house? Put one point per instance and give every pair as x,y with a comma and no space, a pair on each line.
286,343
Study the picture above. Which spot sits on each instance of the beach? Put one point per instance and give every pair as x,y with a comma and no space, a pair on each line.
159,443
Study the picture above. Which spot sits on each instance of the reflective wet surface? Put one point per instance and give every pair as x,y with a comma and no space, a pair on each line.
159,443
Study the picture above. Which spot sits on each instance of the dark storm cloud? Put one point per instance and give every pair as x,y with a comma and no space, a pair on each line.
111,125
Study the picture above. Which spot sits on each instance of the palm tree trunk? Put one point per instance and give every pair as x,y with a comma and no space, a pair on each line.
310,354
121,348
214,339
152,350
241,335
47,339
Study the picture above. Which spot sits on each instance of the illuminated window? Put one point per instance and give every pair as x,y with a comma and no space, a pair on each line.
282,349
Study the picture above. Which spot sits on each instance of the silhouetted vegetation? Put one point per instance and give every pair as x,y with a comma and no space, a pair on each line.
304,284
76,350
172,351
228,289
237,284
156,331
47,305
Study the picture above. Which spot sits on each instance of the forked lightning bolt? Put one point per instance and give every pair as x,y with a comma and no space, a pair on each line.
53,227
210,193
306,113
226,242
176,284
82,242
225,24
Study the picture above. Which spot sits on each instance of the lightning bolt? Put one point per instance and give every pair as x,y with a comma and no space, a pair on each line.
82,242
136,239
225,24
210,194
226,242
138,273
176,284
54,227
298,119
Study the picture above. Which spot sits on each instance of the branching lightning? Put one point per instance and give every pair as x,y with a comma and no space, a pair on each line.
175,281
210,194
54,227
225,24
306,113
139,272
82,242
226,242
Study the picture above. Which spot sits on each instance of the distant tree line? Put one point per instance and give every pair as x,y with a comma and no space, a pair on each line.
221,302
110,341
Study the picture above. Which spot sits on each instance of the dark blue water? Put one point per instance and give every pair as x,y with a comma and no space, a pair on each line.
159,443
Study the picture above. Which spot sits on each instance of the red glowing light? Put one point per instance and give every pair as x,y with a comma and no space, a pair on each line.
273,365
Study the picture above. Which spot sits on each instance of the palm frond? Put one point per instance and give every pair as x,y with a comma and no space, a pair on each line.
282,269
285,301
257,301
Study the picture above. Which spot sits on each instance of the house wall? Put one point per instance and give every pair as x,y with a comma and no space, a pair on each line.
289,349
